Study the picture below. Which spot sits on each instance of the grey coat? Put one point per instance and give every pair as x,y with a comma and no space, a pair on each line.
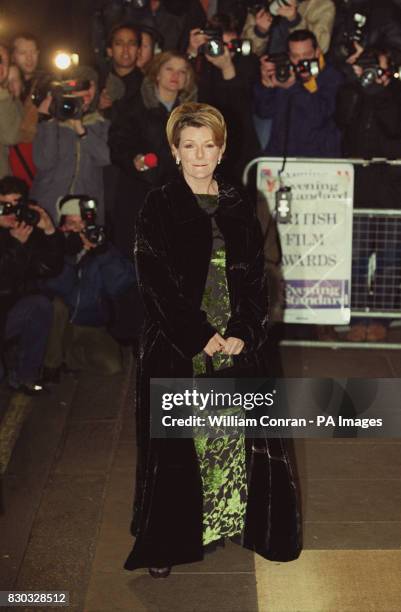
10,120
67,163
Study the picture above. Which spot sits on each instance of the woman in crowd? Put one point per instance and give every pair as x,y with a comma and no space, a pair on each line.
140,130
199,254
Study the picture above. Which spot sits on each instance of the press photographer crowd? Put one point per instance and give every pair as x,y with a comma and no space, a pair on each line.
82,146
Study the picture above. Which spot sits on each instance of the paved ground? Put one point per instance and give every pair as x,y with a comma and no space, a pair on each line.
67,493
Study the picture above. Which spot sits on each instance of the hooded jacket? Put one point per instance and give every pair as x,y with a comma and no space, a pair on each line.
88,286
67,163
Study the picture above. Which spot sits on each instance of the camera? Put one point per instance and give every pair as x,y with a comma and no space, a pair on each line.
282,65
371,69
307,67
94,233
242,46
215,45
65,104
355,31
22,212
276,5
271,7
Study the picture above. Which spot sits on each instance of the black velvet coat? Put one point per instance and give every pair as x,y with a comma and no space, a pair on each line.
173,249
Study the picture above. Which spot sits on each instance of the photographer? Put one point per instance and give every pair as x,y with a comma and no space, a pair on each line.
269,24
226,71
369,112
70,147
30,249
300,99
362,24
10,114
94,273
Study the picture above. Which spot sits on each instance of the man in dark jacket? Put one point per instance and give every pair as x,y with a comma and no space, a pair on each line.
226,82
94,273
370,22
369,112
301,108
121,81
27,253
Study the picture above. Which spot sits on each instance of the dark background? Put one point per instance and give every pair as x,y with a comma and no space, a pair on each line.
57,23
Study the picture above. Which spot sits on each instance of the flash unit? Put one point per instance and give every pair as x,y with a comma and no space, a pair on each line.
64,60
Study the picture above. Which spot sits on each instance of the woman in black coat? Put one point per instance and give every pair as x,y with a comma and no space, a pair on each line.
179,228
141,129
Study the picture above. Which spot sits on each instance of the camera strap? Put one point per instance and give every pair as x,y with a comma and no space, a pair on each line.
23,161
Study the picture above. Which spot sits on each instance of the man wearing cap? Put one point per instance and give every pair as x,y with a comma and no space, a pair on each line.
94,273
69,155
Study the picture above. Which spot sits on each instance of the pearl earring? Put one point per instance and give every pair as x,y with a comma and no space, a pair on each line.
177,161
219,161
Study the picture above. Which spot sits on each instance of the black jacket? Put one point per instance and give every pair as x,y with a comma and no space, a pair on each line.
233,97
173,249
371,123
22,265
383,26
140,128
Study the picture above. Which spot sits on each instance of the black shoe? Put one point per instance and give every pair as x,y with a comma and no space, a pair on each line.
32,389
159,572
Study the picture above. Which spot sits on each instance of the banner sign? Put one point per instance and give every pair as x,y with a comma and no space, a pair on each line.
317,242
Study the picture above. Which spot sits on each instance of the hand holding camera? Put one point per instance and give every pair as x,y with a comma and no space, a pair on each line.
44,106
353,58
277,71
21,232
288,10
86,244
223,62
45,223
196,39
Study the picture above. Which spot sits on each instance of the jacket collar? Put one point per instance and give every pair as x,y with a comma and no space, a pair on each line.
185,206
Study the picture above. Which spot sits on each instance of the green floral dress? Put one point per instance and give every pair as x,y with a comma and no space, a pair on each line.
221,459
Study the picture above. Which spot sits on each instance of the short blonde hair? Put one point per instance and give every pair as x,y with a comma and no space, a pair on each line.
153,68
196,114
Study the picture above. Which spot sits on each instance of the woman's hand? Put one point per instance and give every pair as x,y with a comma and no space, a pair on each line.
233,346
215,344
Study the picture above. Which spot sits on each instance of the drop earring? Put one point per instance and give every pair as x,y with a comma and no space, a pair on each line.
177,161
219,161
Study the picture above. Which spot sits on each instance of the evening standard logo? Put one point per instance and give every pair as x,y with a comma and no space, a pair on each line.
315,293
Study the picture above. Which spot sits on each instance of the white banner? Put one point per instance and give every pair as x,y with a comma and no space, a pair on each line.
317,243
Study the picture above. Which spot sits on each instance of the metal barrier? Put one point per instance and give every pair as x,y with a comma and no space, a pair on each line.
376,265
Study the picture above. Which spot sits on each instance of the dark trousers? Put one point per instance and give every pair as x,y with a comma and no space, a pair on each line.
29,321
90,349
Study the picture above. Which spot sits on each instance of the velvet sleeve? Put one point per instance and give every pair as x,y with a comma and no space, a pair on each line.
185,326
249,318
